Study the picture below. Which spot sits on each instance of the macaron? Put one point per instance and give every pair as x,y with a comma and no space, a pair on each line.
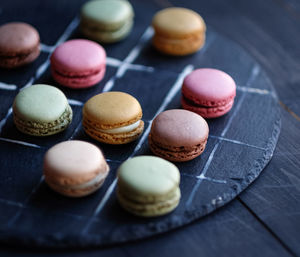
19,44
75,168
178,31
178,135
208,92
148,186
78,63
113,118
41,110
106,21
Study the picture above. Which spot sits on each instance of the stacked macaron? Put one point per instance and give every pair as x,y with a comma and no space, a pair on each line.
208,92
178,135
113,118
78,63
75,168
148,186
106,21
178,31
41,110
19,44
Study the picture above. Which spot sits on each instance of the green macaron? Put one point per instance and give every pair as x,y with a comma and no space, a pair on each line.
41,110
106,21
148,186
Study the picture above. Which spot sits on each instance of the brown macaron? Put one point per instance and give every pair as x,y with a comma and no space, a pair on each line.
178,135
19,44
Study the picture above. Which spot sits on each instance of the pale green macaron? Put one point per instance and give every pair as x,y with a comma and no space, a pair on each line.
41,110
106,21
148,186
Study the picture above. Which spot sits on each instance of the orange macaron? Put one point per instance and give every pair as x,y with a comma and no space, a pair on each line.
178,31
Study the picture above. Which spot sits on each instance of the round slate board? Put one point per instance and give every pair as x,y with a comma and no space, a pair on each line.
239,146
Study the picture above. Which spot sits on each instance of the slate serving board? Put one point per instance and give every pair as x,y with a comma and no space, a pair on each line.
240,144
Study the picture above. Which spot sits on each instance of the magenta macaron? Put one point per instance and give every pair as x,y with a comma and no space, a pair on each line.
78,63
208,92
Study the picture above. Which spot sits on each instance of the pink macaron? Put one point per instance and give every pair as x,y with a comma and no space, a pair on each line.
208,92
78,63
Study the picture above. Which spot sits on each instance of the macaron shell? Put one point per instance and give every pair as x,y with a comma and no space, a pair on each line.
177,22
40,103
209,87
78,56
148,176
112,109
18,38
150,209
106,15
114,139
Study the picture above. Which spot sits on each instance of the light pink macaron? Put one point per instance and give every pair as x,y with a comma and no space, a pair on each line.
208,92
78,63
75,168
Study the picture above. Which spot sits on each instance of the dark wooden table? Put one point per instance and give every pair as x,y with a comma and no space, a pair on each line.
265,219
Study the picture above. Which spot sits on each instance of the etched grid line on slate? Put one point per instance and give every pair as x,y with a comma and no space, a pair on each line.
123,66
254,73
120,72
42,68
122,69
172,92
69,30
133,54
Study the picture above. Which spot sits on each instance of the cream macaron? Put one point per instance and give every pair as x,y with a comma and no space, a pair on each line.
75,168
113,118
148,186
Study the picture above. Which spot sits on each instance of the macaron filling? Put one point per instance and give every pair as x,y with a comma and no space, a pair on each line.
176,153
153,208
64,74
209,106
21,56
96,181
119,32
123,129
44,129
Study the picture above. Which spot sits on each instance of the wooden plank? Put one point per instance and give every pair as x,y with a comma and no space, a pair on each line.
191,240
267,31
275,196
231,231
